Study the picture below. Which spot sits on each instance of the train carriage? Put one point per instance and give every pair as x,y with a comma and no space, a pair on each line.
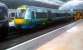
29,17
3,21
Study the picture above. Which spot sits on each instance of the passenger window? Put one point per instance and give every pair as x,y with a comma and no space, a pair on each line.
41,15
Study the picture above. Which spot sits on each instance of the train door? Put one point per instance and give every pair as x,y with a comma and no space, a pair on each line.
33,16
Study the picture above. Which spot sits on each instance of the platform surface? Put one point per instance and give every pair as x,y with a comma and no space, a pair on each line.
71,39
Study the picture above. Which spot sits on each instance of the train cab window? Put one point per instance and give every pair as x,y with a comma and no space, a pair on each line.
20,13
3,13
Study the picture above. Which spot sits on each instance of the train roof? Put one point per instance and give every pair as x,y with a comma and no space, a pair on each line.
2,5
72,5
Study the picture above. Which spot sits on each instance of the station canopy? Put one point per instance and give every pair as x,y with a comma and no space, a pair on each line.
58,2
72,5
51,3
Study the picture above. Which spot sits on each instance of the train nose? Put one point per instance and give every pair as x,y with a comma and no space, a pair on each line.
19,21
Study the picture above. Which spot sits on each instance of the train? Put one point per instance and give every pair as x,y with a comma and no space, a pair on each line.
29,17
3,21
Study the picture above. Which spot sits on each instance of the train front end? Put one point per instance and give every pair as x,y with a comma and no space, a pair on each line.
23,18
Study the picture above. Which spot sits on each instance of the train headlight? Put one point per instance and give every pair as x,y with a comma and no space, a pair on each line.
11,23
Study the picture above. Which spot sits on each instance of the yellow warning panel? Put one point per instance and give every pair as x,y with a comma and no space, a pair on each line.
19,21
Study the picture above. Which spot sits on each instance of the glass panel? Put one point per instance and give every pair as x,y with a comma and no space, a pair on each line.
27,14
41,15
3,13
21,13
